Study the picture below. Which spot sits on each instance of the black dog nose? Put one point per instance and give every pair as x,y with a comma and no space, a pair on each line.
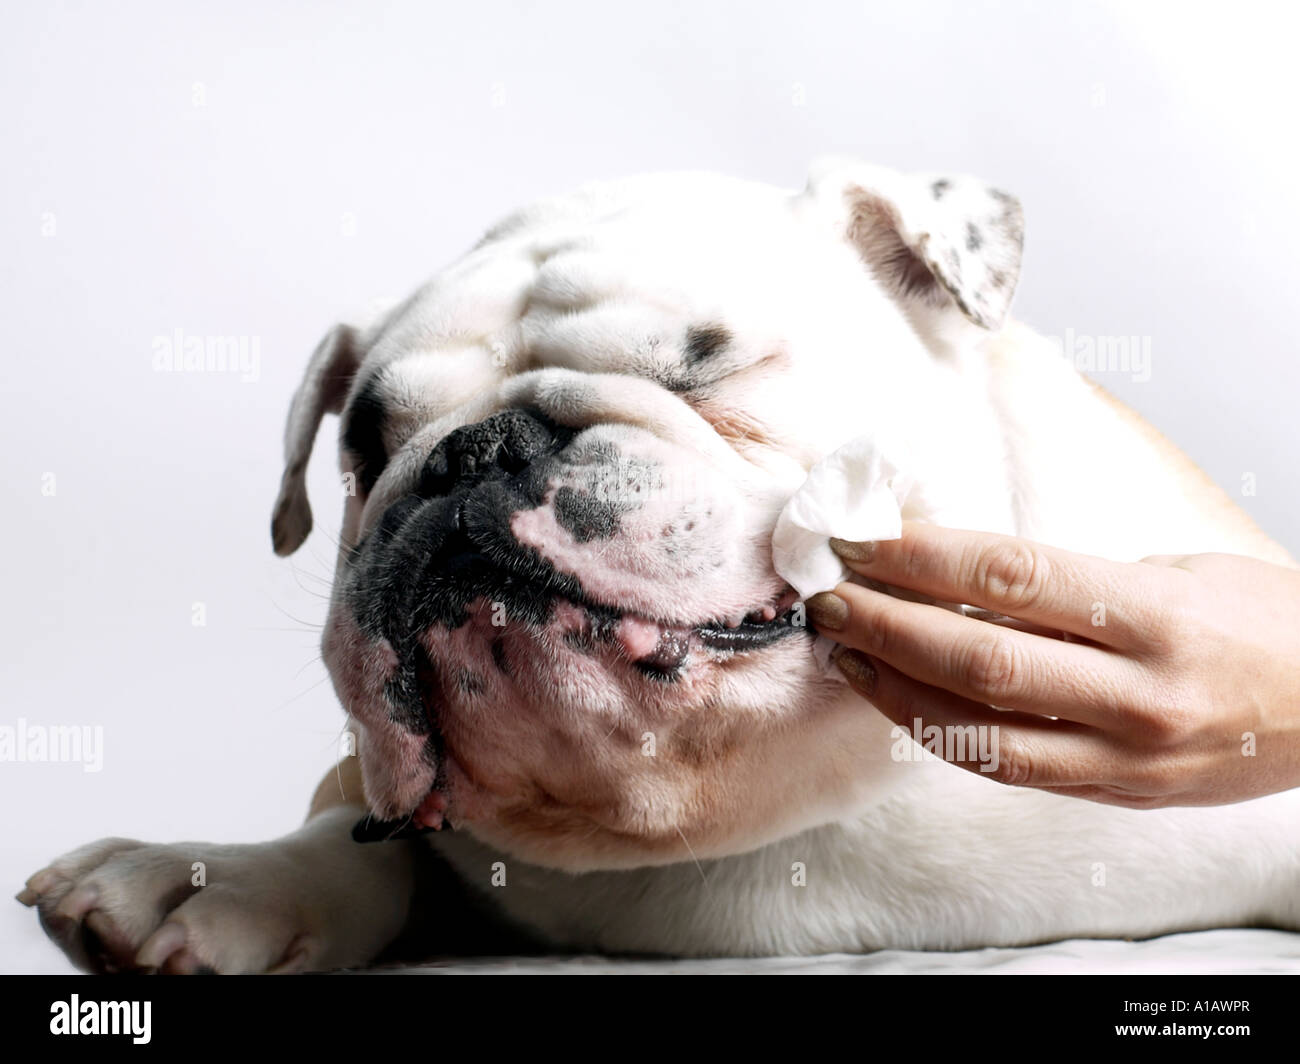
501,445
448,543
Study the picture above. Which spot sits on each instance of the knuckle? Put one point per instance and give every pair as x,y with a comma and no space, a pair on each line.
1171,725
1016,765
1164,713
913,556
994,668
1012,574
880,634
1176,623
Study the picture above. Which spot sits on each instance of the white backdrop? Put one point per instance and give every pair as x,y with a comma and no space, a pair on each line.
259,170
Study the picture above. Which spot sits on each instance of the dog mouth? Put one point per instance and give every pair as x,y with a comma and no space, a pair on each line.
402,591
661,650
658,648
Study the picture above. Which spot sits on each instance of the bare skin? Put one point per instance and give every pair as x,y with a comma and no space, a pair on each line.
1172,681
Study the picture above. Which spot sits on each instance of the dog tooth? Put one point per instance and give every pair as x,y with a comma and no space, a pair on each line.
431,810
637,636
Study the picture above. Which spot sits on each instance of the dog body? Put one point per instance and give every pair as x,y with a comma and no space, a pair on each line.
556,626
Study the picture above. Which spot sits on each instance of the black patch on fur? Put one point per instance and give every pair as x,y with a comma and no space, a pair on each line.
705,341
938,188
974,239
363,433
412,689
677,383
585,516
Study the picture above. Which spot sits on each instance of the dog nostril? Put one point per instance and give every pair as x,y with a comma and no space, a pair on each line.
504,444
436,477
511,462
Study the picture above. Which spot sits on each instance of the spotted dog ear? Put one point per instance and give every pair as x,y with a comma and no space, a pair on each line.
323,390
932,240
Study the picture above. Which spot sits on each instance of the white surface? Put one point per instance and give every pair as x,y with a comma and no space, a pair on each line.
1234,951
255,170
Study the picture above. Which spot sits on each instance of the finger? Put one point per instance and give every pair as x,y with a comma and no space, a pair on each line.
1109,796
1017,749
1098,599
986,663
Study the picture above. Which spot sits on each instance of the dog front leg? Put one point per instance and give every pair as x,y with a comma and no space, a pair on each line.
312,900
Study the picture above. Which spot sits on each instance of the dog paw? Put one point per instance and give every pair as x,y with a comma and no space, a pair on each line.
296,904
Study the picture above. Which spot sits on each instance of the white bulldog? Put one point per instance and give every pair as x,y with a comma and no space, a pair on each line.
557,628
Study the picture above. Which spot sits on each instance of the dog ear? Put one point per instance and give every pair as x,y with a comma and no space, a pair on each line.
932,241
323,390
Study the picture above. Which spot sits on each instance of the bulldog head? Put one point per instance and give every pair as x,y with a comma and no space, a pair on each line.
555,618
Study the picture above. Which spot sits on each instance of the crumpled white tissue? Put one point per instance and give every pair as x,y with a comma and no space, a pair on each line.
855,493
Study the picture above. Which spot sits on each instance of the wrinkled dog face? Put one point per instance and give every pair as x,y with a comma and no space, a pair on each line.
555,619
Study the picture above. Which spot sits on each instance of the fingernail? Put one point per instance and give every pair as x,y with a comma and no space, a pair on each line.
827,610
854,552
858,669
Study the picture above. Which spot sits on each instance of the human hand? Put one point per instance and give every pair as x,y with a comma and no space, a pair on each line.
1170,681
